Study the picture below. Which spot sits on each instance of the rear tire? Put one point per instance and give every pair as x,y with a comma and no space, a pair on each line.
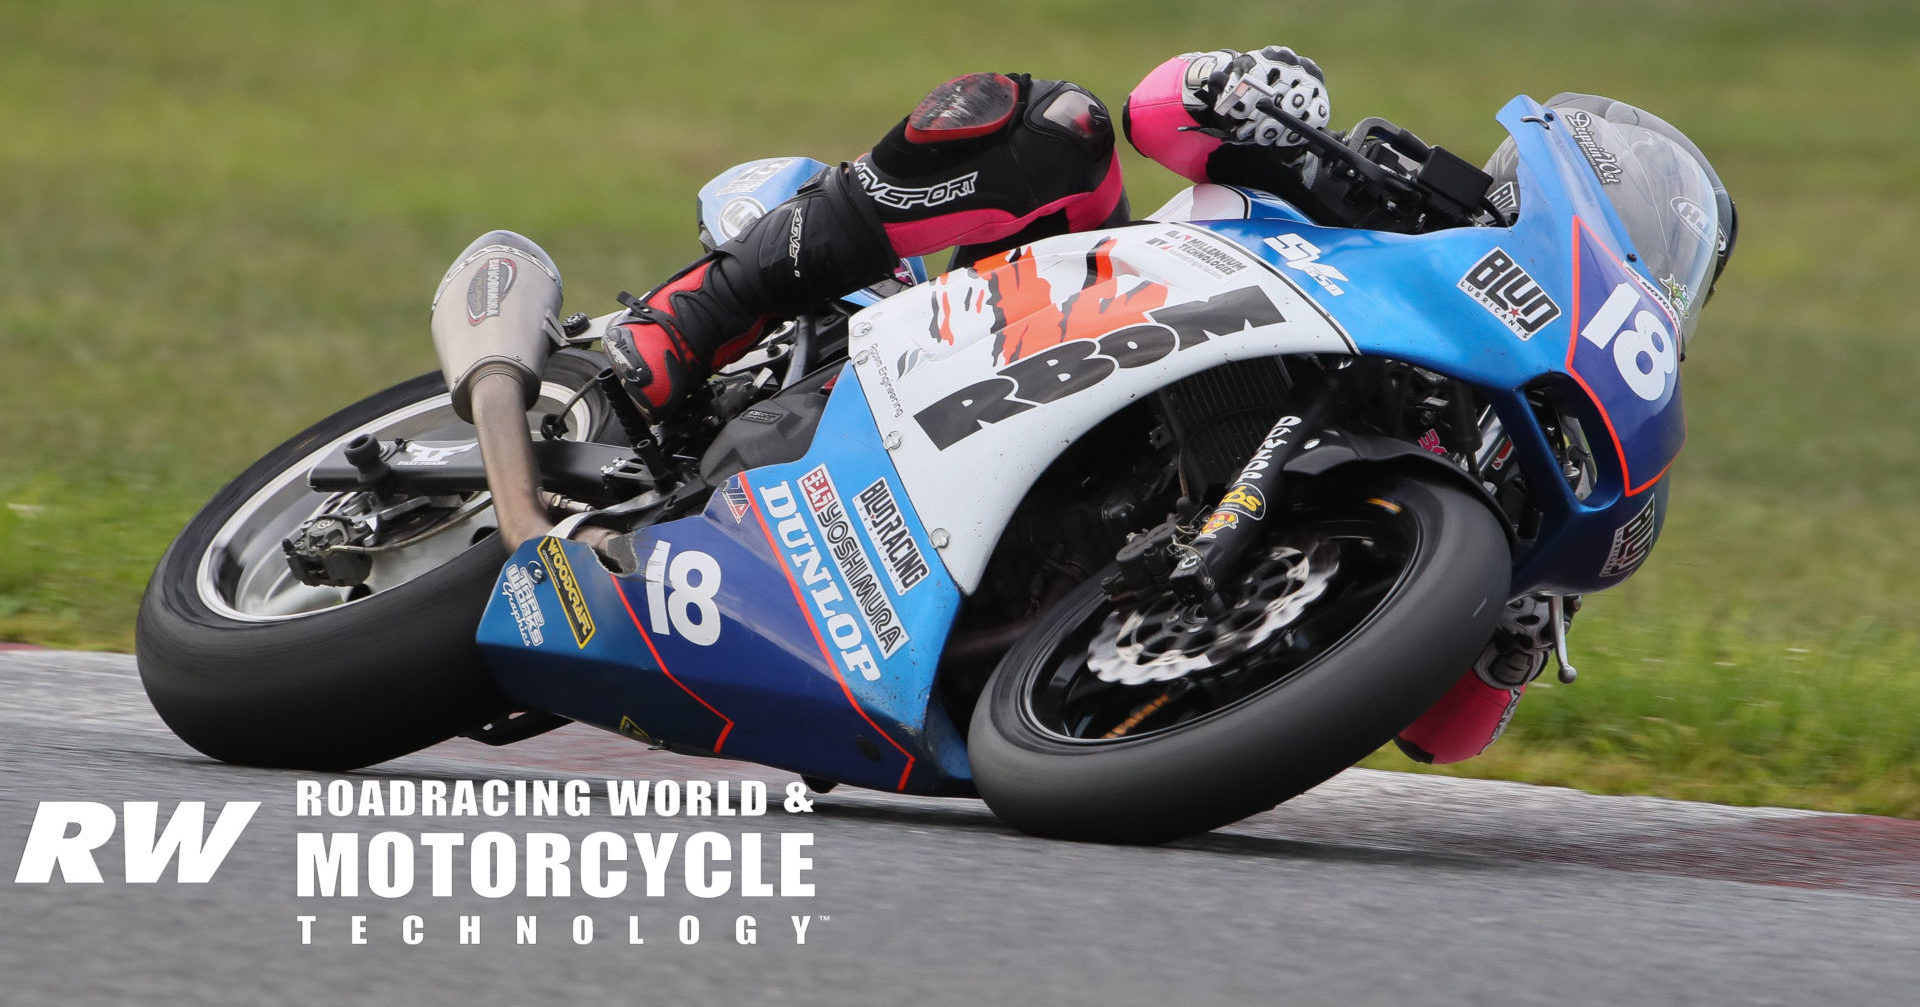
1187,770
341,683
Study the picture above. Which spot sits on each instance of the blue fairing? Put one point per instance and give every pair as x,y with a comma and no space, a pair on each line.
1403,298
791,671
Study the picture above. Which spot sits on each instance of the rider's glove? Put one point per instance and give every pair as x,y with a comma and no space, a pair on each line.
1238,81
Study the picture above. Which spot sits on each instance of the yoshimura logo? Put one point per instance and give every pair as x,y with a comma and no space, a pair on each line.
489,288
815,579
823,499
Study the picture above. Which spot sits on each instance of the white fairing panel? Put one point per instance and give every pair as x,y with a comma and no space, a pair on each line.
1205,201
980,378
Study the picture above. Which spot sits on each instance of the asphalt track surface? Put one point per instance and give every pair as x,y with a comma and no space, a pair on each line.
1378,888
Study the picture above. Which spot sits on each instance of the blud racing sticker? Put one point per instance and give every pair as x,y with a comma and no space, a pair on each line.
1503,287
1632,542
887,529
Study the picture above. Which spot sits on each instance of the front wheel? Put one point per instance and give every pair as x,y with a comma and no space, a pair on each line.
249,665
1146,720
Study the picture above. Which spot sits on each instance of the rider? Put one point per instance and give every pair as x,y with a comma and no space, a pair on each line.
988,161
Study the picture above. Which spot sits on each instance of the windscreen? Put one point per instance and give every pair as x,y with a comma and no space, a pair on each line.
1657,185
1665,200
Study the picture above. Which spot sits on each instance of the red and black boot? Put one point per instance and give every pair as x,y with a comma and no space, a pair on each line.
825,241
1476,711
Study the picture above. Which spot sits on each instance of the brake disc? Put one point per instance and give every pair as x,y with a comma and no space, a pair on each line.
1167,638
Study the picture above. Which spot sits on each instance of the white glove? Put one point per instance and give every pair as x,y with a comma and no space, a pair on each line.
1239,80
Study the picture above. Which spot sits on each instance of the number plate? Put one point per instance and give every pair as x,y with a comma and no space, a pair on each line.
1623,351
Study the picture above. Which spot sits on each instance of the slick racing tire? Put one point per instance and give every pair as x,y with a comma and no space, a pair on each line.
1354,613
250,666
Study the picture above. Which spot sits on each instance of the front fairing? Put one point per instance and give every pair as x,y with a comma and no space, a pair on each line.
1505,309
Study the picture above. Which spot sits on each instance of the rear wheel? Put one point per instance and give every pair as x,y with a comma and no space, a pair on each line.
249,665
1146,720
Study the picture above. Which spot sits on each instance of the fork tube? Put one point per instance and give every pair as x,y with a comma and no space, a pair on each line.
1234,524
1492,438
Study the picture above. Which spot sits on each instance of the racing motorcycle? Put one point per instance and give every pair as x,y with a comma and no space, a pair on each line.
1131,532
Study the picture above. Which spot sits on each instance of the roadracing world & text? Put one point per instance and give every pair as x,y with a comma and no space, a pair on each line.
617,868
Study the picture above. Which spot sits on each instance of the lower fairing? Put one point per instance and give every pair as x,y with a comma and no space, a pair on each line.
796,622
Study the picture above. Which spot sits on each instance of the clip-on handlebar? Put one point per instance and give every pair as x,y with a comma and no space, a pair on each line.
1444,190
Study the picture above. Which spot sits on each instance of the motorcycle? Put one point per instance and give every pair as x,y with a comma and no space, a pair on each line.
1130,532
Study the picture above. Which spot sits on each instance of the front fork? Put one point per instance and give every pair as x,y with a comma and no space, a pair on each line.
1234,525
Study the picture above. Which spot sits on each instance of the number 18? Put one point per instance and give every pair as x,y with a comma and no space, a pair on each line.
1644,353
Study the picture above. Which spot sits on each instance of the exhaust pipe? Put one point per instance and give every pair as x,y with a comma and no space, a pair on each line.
506,449
495,320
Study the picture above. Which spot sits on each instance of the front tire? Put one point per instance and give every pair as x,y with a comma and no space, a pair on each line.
249,666
1059,751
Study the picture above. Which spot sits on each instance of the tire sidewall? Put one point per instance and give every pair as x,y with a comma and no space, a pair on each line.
1296,734
334,689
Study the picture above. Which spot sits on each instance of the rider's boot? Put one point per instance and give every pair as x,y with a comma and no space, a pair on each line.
824,241
1471,716
986,159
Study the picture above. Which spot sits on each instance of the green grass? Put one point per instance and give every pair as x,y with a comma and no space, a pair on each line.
219,221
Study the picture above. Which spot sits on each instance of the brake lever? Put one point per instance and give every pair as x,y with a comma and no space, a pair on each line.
1330,146
1313,136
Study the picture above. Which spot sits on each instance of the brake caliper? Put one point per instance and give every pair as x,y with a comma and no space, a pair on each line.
315,557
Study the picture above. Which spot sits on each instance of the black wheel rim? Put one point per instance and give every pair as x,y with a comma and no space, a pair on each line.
1377,542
